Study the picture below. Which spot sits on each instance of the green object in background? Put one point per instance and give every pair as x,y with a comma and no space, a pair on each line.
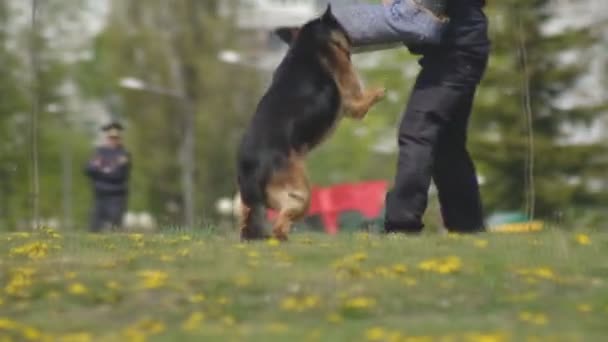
512,222
506,217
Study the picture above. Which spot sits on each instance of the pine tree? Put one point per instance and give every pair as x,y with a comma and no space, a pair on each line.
517,130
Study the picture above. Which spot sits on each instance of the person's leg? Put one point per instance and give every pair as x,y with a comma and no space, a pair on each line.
428,111
454,172
97,215
116,210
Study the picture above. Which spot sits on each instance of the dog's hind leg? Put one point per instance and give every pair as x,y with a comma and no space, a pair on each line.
289,194
250,221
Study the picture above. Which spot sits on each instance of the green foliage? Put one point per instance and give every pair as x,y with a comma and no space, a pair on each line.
499,133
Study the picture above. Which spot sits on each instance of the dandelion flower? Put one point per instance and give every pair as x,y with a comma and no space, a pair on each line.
533,318
375,334
583,239
584,308
193,322
153,279
77,289
76,337
360,303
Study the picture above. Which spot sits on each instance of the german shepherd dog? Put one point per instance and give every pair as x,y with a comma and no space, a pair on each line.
312,89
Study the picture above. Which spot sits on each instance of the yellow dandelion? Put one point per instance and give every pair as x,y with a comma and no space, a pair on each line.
496,337
533,274
375,334
151,326
53,295
360,303
167,258
533,318
134,335
399,268
153,279
20,281
584,308
8,324
583,239
77,289
450,264
242,281
289,304
361,256
311,302
113,285
136,237
20,235
197,298
409,282
34,250
480,243
228,320
273,242
300,304
51,233
76,337
31,334
183,252
334,318
193,322
545,273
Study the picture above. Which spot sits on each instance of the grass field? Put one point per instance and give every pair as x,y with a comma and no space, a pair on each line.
545,286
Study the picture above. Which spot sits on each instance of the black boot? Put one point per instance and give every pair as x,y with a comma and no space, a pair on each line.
437,7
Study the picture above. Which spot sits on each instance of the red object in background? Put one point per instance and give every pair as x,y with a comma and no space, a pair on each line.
365,197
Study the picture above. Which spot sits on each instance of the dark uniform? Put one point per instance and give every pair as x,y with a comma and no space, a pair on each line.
433,133
109,172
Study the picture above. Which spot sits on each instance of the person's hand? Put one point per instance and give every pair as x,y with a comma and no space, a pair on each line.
123,160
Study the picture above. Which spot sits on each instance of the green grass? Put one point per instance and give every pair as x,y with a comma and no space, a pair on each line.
187,286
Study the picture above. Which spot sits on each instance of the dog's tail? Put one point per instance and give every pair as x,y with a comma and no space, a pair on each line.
252,188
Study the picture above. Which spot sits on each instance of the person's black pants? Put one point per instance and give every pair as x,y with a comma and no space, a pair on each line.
108,210
432,145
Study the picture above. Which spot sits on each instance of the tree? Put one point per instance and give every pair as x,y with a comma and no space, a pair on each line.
191,109
518,127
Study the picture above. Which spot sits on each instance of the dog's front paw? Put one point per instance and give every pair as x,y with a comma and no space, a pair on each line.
379,94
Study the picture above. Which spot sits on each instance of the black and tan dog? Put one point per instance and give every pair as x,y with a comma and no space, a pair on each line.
312,89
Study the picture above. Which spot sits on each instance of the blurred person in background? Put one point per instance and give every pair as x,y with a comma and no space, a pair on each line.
109,169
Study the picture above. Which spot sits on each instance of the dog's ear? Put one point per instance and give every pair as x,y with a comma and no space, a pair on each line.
328,15
287,34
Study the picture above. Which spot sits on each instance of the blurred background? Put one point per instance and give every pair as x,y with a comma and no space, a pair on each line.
184,77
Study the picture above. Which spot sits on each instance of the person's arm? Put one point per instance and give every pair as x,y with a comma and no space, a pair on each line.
119,172
384,25
93,166
397,22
